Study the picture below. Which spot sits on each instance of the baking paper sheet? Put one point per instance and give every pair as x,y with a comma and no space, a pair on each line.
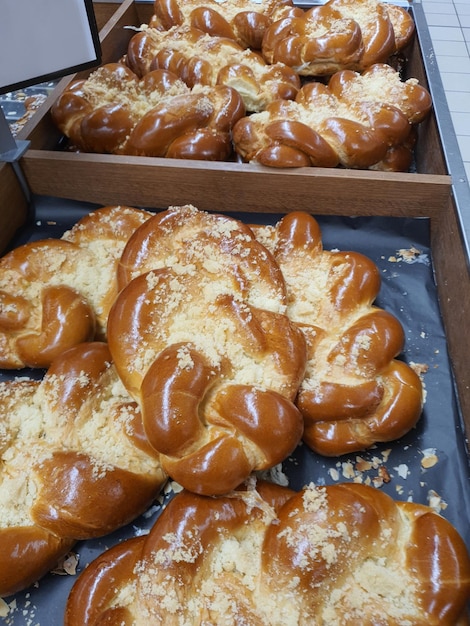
401,249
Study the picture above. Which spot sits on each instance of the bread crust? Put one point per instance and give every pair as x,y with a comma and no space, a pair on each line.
355,392
340,554
51,295
90,468
338,35
244,21
202,343
115,111
201,59
363,121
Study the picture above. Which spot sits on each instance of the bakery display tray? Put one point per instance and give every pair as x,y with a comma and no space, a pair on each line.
111,179
430,465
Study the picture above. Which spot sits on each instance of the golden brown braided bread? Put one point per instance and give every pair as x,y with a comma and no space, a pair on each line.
201,59
75,462
203,344
56,293
114,111
355,392
244,21
339,555
340,34
357,121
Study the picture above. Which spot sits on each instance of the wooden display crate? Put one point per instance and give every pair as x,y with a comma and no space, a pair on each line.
158,183
146,181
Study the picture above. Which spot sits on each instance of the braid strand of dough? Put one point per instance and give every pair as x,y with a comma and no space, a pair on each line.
337,555
355,392
56,293
90,469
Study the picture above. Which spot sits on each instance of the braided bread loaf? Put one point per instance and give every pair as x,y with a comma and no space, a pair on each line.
201,342
75,462
52,296
339,555
200,59
114,111
244,21
340,34
355,393
363,121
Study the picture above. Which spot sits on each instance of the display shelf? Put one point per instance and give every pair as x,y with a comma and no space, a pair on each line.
149,181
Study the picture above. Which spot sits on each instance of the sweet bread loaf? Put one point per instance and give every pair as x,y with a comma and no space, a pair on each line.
52,295
344,555
244,21
203,345
201,59
364,121
355,392
114,111
381,83
337,35
185,235
75,462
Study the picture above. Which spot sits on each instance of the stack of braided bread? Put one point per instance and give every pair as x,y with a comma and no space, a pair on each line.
264,82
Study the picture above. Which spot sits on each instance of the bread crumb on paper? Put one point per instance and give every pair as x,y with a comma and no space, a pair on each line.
409,255
67,566
429,458
436,502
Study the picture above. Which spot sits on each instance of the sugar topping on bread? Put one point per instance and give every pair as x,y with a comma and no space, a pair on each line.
355,392
90,468
326,555
55,293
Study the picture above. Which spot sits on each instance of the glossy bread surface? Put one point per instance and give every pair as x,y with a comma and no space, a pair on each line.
342,554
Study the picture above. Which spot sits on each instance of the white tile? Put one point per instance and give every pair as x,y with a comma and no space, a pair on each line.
450,48
431,8
446,33
464,20
442,19
453,64
461,122
453,81
464,145
458,101
462,8
466,34
467,169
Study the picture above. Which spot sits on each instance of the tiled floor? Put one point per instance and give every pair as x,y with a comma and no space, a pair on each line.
449,27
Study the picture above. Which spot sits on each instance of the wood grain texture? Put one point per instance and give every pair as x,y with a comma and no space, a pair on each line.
453,283
150,182
13,205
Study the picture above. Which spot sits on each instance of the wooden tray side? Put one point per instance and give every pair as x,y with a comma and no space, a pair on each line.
453,285
429,152
148,182
104,11
13,205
